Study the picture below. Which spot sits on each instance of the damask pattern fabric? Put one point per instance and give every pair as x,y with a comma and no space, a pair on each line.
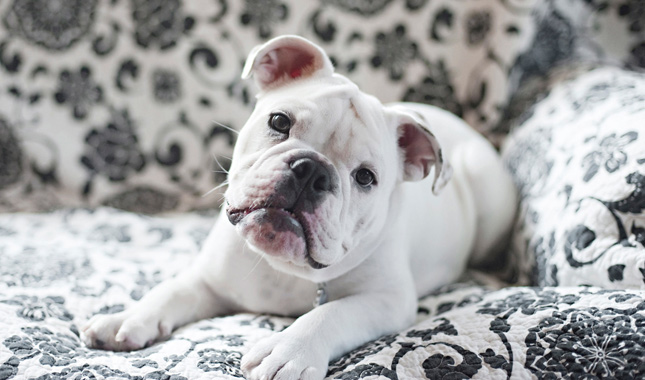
61,268
129,103
134,104
579,163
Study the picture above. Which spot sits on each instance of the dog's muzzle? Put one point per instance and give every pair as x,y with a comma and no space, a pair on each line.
305,186
302,188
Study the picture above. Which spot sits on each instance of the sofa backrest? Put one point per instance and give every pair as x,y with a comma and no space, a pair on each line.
134,104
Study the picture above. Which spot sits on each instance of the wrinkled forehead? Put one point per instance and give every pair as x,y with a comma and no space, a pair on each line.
363,129
311,93
330,99
336,118
359,116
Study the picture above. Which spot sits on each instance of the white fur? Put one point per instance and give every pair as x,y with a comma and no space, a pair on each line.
383,247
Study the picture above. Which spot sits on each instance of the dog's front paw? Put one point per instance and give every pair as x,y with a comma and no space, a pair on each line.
285,357
124,331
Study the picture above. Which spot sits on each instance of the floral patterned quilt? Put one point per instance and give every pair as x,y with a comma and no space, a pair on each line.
59,269
156,83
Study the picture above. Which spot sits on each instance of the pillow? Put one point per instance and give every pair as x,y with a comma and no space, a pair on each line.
578,160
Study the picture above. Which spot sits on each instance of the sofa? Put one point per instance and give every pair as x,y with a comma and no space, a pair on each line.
117,123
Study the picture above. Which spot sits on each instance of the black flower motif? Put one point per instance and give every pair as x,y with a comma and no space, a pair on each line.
478,25
166,86
607,343
444,327
159,22
235,340
78,90
634,12
10,156
363,7
264,14
616,272
441,366
114,150
54,349
370,371
414,5
53,24
222,361
91,372
157,375
594,95
38,309
9,368
144,200
496,361
435,89
394,51
360,353
578,239
609,154
527,302
42,268
144,282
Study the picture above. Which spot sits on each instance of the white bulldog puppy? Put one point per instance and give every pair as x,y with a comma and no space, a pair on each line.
328,201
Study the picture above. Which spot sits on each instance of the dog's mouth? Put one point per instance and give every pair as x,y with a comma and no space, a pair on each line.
235,215
281,221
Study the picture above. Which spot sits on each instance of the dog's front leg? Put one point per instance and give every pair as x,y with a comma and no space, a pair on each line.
303,350
173,303
185,298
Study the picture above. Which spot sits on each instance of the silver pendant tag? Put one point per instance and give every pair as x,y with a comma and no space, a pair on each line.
321,294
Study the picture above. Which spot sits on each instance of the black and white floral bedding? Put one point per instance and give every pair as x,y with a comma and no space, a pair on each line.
59,269
122,104
579,162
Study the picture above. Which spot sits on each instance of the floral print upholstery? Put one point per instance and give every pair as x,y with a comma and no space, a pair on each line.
577,159
163,78
58,269
134,105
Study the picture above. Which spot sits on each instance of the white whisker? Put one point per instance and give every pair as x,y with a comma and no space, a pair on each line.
215,188
220,164
257,262
226,127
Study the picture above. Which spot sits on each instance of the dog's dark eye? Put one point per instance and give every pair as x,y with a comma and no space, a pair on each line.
364,177
280,122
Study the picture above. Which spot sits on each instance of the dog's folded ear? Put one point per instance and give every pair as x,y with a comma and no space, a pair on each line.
420,151
284,59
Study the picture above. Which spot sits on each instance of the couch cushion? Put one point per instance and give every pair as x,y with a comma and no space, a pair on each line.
578,158
59,269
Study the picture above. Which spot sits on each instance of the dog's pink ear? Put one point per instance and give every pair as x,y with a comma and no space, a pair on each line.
284,59
421,151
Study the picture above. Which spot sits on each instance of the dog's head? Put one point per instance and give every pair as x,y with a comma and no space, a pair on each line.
316,165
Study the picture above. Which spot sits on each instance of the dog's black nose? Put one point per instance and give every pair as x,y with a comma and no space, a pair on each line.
311,175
